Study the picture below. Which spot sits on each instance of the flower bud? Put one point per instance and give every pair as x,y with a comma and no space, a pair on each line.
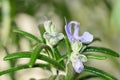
82,57
78,65
76,46
51,35
47,25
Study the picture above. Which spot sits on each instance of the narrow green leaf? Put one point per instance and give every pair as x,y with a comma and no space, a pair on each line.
57,53
86,77
23,67
26,34
58,56
18,55
49,52
42,30
96,39
40,57
67,45
62,58
35,53
62,40
100,73
55,56
102,50
95,56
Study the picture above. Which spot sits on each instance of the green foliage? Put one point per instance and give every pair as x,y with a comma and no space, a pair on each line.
53,58
44,66
87,77
41,30
26,34
99,73
40,57
101,50
67,45
51,54
34,55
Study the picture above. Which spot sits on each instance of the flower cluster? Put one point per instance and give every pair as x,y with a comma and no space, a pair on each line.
62,66
76,44
86,38
51,36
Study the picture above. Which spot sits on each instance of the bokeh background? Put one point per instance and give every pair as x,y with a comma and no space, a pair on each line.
99,17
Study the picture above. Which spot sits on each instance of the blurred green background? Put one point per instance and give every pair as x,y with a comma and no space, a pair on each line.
99,17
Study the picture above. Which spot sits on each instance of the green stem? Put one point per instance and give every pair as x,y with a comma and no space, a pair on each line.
23,67
70,73
54,57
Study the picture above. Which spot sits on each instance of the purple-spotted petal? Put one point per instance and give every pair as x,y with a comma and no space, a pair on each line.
86,38
78,66
68,30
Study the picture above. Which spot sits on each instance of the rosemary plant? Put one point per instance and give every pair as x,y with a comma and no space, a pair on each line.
72,63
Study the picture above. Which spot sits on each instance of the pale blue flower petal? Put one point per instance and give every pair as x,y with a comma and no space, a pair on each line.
78,66
68,30
86,38
47,25
76,31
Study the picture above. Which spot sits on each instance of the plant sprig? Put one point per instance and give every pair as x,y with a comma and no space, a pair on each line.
76,49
